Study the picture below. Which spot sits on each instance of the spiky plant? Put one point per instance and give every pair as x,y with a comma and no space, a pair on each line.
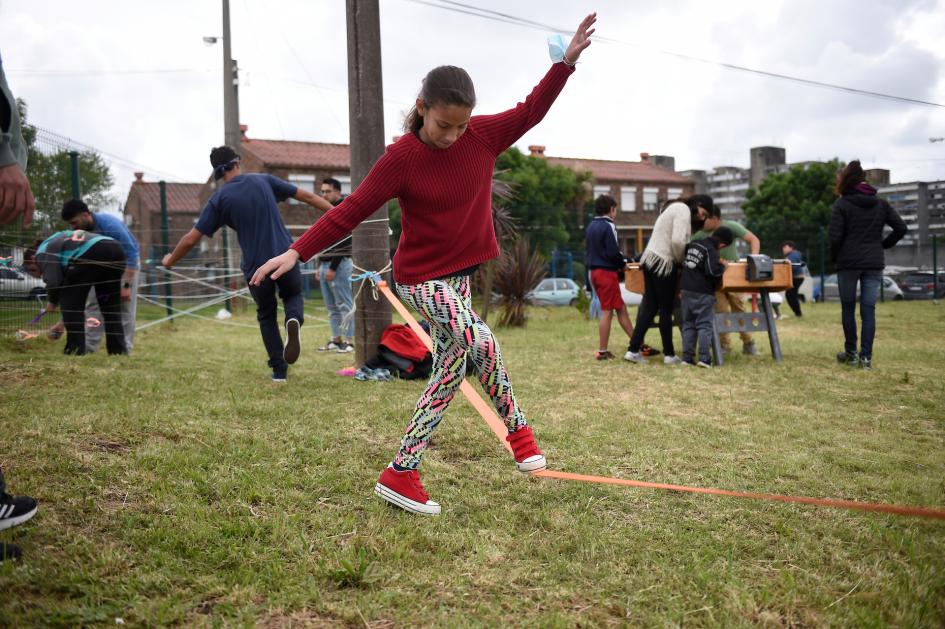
518,270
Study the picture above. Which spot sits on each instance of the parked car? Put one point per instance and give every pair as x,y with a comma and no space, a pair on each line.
890,289
921,285
16,283
554,291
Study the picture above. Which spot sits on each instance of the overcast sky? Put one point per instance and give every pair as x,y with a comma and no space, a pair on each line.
135,80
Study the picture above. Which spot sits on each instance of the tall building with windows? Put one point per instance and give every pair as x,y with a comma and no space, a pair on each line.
921,204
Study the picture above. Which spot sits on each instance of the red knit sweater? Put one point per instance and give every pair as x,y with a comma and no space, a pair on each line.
445,195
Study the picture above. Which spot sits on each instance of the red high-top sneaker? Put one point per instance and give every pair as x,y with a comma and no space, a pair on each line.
404,490
527,455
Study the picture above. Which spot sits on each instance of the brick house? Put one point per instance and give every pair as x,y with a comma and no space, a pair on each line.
640,189
143,213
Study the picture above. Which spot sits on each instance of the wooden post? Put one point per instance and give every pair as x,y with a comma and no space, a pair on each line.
370,242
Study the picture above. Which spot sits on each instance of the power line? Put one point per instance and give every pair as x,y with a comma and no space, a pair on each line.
468,9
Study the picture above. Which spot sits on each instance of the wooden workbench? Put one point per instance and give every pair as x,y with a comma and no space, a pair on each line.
735,281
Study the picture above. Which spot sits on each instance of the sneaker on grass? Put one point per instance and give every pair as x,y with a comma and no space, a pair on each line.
634,357
646,350
404,490
866,364
293,341
279,377
527,455
846,358
344,348
703,365
331,346
15,510
671,360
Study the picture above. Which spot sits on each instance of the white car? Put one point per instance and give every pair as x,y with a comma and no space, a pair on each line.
17,284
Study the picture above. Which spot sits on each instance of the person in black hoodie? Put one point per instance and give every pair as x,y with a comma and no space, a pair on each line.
702,269
606,263
856,248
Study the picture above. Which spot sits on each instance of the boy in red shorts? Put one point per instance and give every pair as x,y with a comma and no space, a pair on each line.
606,263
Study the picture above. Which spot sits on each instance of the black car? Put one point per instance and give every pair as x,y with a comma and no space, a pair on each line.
921,285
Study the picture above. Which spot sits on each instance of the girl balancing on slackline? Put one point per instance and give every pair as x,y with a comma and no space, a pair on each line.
440,171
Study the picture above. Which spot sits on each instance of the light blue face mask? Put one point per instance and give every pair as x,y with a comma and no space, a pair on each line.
556,48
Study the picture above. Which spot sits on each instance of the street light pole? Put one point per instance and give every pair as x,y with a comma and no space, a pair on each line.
231,123
231,103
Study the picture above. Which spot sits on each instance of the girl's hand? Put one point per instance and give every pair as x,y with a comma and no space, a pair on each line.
275,267
581,39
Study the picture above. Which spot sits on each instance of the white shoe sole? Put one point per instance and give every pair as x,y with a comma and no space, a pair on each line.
532,464
8,523
391,496
293,341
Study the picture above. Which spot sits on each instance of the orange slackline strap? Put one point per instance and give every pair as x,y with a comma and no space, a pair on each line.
498,427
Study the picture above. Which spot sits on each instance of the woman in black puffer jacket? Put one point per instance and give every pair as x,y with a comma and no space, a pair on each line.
856,248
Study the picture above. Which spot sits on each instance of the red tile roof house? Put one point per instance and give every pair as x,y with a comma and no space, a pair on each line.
640,189
304,164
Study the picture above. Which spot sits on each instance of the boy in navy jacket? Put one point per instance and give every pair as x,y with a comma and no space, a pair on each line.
606,264
702,271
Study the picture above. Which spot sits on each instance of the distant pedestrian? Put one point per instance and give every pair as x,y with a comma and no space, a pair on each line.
660,264
702,272
607,264
797,275
77,214
856,248
72,263
249,204
333,272
730,301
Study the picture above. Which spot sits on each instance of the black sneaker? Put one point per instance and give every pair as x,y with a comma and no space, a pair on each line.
845,358
293,341
866,364
15,510
9,552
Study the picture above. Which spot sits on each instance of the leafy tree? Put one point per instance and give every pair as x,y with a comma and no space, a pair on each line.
544,199
794,205
50,173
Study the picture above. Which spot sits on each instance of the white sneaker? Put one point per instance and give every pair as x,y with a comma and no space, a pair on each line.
704,365
671,360
634,357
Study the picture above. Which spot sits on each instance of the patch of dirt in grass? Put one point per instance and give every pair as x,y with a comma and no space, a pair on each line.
14,375
278,619
106,445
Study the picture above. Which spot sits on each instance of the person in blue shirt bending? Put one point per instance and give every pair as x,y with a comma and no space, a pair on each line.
249,204
77,214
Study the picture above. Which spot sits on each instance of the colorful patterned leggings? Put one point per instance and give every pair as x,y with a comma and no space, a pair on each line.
457,332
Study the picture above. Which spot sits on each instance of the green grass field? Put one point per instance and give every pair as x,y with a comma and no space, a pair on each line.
179,486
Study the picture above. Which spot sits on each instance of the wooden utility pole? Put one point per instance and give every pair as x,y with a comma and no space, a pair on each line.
370,241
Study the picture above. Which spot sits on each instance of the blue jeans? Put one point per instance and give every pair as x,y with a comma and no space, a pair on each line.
290,291
337,296
698,319
869,283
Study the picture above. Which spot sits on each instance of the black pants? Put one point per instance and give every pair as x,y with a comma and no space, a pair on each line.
791,295
102,267
658,298
290,291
